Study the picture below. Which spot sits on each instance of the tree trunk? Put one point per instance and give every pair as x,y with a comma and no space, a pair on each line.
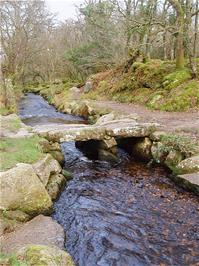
196,29
180,35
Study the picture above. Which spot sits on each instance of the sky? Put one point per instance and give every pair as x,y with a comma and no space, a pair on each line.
65,9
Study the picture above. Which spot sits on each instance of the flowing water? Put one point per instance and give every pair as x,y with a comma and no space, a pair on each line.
122,214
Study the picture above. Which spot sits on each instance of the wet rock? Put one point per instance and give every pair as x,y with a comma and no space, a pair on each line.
142,149
22,190
189,165
41,230
43,255
173,158
189,181
45,167
55,184
105,155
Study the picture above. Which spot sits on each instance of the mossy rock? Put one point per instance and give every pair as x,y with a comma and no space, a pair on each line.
38,255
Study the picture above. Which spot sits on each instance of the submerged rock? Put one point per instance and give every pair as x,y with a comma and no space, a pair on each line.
41,230
189,181
22,190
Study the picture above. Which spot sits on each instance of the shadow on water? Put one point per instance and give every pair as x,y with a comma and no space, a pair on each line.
122,214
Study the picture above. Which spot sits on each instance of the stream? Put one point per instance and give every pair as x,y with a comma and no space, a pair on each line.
119,214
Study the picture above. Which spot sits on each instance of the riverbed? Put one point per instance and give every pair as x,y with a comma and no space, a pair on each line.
120,214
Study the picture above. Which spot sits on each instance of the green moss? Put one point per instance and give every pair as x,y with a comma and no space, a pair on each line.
176,78
11,260
19,150
182,144
183,97
4,111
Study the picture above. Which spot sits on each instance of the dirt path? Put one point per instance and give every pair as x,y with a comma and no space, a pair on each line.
183,123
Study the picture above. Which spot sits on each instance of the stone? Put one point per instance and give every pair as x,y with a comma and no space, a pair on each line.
21,189
75,90
41,230
45,167
189,165
41,255
12,127
142,149
117,129
173,159
159,153
105,155
114,116
55,184
58,156
7,225
189,181
106,144
16,215
88,86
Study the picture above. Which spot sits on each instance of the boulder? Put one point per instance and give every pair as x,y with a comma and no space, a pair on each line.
105,155
16,215
75,90
21,189
82,109
46,167
58,156
188,181
142,149
41,230
88,86
7,225
39,255
159,152
114,116
55,184
106,144
189,165
173,159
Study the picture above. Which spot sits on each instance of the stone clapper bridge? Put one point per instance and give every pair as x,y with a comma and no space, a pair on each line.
109,130
105,130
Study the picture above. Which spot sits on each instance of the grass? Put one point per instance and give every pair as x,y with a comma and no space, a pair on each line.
180,143
12,124
11,260
4,111
19,150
